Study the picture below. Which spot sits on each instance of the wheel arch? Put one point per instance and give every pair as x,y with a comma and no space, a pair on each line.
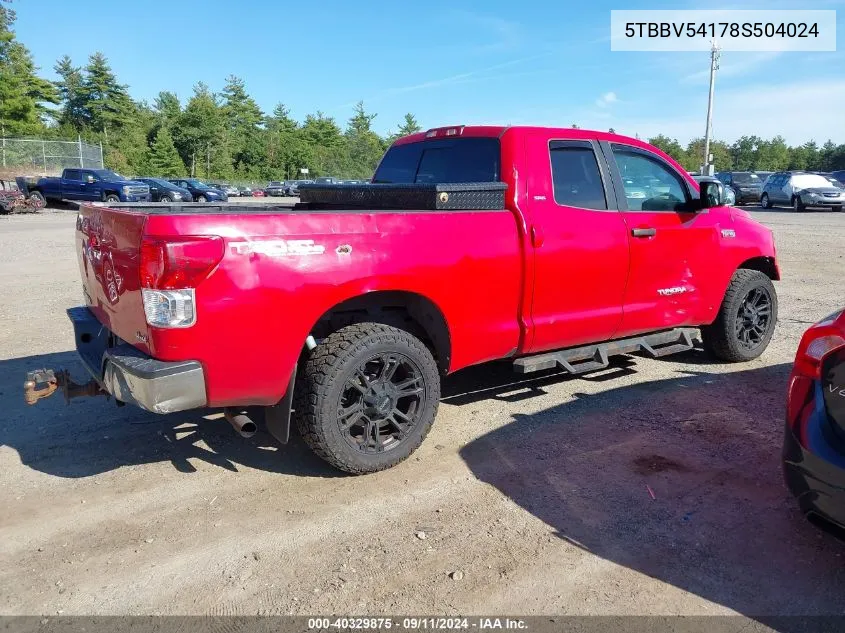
407,310
764,264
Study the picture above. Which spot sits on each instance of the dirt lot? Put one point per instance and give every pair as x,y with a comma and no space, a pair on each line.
537,492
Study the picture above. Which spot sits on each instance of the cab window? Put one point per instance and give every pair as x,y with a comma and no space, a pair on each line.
649,184
576,178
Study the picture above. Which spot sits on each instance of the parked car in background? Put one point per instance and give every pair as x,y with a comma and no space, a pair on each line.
727,192
326,180
814,439
763,176
244,191
162,190
292,189
800,190
258,193
200,191
92,185
275,188
747,185
839,175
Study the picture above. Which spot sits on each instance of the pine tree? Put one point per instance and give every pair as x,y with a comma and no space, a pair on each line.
23,94
164,159
200,135
409,126
68,85
364,146
105,103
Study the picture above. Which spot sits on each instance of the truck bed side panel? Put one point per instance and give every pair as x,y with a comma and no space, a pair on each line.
282,272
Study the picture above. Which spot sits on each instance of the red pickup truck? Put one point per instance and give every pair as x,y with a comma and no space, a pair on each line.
350,315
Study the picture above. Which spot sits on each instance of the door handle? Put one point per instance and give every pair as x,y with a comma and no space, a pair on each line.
643,232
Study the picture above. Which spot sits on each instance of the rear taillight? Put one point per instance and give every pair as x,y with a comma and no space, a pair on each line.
170,270
178,262
819,341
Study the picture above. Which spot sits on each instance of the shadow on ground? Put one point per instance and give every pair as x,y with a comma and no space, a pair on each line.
677,479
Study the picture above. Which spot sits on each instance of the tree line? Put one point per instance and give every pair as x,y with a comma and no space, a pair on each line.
225,135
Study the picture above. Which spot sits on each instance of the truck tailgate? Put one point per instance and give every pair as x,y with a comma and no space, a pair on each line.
108,246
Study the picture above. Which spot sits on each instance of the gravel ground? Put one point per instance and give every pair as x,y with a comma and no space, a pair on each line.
539,492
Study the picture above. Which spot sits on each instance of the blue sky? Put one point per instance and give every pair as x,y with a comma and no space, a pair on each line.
544,63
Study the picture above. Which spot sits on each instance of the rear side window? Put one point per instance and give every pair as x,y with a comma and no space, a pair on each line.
575,175
72,174
441,161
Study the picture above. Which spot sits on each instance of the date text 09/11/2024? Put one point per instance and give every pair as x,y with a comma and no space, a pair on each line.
416,624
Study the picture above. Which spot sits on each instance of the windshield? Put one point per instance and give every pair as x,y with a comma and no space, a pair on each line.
107,174
441,161
746,178
199,184
805,181
159,182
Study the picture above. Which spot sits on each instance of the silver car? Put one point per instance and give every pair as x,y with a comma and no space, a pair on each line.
801,190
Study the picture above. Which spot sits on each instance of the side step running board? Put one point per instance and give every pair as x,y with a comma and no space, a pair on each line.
577,360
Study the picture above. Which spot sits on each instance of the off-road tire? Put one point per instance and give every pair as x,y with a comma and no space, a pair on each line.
323,378
765,202
720,337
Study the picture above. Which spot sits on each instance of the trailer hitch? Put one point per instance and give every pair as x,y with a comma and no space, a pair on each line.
43,383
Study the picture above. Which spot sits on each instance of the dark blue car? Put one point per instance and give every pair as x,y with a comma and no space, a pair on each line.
200,191
162,190
814,443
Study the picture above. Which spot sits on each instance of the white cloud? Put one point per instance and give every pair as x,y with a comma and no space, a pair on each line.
607,99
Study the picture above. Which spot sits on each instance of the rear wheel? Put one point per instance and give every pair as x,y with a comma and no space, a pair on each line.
797,205
38,199
367,397
765,202
746,320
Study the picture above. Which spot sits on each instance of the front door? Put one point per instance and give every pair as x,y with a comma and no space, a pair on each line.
579,244
671,244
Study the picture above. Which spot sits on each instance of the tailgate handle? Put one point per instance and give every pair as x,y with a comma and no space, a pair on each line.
644,232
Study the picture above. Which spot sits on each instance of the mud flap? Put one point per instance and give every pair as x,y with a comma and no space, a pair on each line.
277,417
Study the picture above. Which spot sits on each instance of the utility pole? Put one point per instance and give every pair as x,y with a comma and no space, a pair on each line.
707,168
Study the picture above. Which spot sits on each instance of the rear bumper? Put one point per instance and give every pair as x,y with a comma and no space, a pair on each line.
748,196
132,376
818,485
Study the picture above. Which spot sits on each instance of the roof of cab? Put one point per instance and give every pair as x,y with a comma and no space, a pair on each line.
498,130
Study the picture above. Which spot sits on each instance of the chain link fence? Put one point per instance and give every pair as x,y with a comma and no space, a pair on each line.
34,157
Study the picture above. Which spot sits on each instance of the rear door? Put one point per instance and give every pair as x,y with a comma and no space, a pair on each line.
671,245
580,247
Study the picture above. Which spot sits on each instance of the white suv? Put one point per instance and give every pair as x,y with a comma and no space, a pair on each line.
800,190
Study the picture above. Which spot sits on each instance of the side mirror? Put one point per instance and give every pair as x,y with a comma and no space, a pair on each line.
89,179
712,194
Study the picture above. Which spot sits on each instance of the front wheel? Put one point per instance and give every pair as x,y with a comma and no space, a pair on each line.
165,199
201,199
746,320
837,207
797,205
112,198
367,397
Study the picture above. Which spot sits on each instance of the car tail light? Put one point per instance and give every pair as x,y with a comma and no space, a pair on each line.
170,270
178,262
819,341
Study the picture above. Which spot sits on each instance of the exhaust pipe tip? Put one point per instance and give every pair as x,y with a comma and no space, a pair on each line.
242,423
